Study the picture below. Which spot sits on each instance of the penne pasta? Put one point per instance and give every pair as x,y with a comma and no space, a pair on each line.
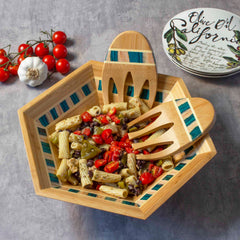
119,106
63,144
131,163
155,135
94,111
71,179
62,172
131,113
83,169
76,146
75,138
178,157
101,176
117,192
131,180
68,123
111,126
54,138
138,102
73,164
167,164
125,172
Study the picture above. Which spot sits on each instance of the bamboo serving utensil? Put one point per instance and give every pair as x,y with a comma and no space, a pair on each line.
186,120
129,53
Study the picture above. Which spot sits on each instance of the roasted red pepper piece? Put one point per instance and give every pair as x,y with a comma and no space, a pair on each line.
111,167
100,162
86,117
146,178
97,138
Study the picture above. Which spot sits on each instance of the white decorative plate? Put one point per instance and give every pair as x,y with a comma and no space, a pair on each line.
204,40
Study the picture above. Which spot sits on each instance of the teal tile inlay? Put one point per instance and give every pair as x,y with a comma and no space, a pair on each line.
75,99
191,157
73,190
184,107
64,105
86,90
54,113
92,194
114,56
136,57
157,187
188,121
42,131
146,196
145,94
196,132
180,166
114,89
43,120
188,150
46,147
159,97
100,85
110,199
128,203
53,178
130,91
57,187
50,163
168,177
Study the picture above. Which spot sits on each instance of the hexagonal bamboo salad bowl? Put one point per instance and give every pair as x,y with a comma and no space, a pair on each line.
73,95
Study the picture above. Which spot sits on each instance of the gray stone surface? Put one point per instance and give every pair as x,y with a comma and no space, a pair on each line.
207,207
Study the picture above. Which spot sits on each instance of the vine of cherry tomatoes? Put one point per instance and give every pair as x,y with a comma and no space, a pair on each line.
9,62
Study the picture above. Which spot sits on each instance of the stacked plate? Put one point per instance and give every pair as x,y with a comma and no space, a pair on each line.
204,42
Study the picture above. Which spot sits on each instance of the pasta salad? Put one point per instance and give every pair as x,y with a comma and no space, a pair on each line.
95,151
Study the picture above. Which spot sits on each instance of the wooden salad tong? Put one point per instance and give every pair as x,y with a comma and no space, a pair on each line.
129,53
186,120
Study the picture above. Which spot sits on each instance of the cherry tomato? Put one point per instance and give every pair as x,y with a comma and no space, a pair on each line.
24,46
86,131
60,51
115,119
59,37
98,186
3,61
112,112
78,132
156,171
103,119
13,69
145,152
125,137
4,75
3,52
108,156
111,167
86,117
129,150
97,139
41,50
107,135
157,149
63,66
100,162
144,138
22,57
116,155
146,178
50,61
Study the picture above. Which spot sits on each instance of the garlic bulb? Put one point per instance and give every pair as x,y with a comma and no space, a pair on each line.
32,71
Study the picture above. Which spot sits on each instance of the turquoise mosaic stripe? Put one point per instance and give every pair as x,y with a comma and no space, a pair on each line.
53,178
168,177
113,56
54,113
50,163
157,187
86,90
188,150
180,166
110,199
145,94
100,85
146,197
43,120
64,106
42,131
75,99
184,107
159,97
188,121
92,194
46,147
135,57
128,203
114,89
195,133
73,190
130,91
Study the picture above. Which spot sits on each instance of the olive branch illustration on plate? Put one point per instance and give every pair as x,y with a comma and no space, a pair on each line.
174,37
234,62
